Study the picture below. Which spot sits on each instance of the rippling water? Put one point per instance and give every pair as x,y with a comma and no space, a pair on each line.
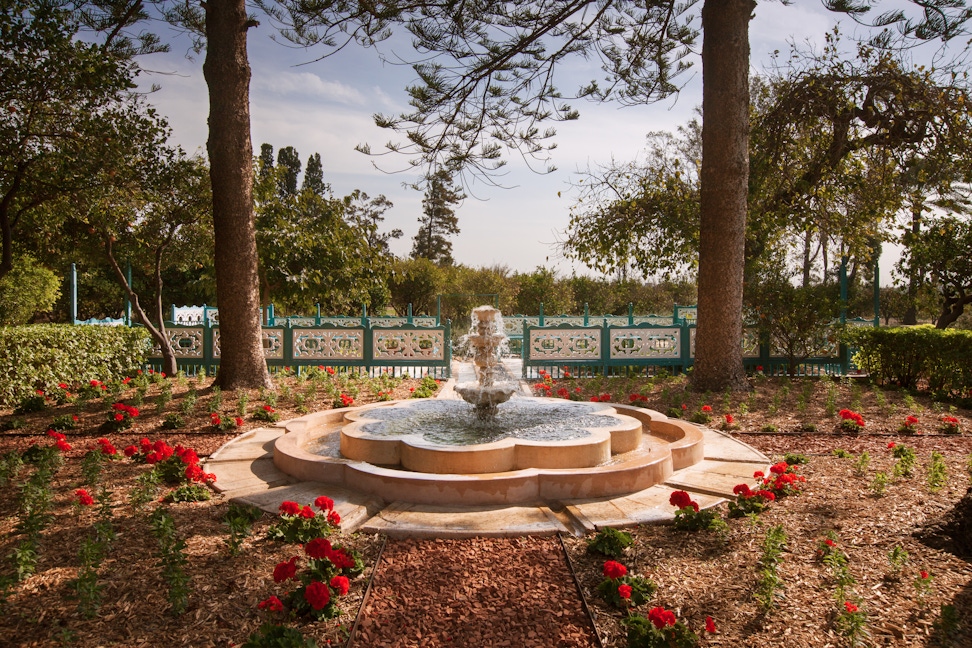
447,422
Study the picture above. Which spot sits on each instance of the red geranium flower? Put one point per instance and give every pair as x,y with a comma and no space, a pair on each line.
289,508
285,570
318,548
706,408
63,445
341,559
83,497
324,503
317,594
273,604
613,569
340,584
680,499
710,625
333,518
850,607
624,591
661,618
307,512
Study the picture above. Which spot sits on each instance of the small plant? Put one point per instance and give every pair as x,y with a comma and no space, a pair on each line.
897,559
242,401
795,459
188,402
688,516
610,542
937,472
749,502
769,582
621,589
840,453
146,490
64,422
906,460
239,518
863,461
703,416
215,401
31,404
909,425
164,397
173,421
769,428
729,423
272,635
228,423
12,424
188,493
851,622
660,630
426,389
301,524
949,425
120,417
879,484
947,624
832,393
851,421
266,413
172,560
923,586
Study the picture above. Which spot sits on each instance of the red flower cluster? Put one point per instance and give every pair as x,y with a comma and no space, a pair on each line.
106,447
293,508
661,618
159,451
852,417
710,625
634,398
743,490
268,409
341,584
680,499
285,571
346,401
317,595
951,420
60,441
706,408
563,393
83,498
216,421
850,607
543,389
613,569
272,604
123,411
729,419
783,479
624,591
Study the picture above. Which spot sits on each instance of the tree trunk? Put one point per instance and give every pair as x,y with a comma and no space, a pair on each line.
724,183
910,317
227,72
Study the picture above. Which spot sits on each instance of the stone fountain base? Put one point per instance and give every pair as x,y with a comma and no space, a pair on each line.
644,449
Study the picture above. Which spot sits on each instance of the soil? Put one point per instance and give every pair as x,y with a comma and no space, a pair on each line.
521,591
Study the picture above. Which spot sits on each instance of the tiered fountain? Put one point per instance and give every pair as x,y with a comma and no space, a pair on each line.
503,450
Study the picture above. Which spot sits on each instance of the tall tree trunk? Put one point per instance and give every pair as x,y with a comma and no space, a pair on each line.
724,183
227,73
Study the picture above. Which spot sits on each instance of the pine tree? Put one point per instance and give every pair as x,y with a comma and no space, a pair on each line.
314,176
438,220
266,159
289,158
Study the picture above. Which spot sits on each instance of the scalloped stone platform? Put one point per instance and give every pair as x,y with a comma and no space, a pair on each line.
643,448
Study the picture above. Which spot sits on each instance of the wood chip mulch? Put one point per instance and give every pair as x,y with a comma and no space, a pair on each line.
477,592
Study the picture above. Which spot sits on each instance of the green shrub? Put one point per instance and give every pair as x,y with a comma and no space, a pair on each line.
907,356
44,355
29,288
610,542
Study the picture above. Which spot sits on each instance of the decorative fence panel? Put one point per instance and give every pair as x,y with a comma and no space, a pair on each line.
607,348
369,347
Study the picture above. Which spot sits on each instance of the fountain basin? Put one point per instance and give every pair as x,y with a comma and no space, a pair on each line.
649,448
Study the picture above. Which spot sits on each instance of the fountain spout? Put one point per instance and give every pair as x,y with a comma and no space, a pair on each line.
486,339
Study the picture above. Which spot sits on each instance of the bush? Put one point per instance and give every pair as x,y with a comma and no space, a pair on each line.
909,355
29,288
42,356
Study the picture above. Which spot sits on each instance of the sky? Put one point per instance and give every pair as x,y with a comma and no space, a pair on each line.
327,107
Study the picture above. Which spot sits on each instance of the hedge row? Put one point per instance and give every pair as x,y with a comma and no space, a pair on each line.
41,356
917,357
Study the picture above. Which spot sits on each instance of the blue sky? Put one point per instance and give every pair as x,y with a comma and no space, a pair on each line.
327,107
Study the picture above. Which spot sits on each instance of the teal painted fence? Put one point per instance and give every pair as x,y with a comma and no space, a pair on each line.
368,345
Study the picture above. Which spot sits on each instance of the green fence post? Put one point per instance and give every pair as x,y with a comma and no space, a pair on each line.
128,302
408,313
587,314
541,313
317,316
205,315
364,315
630,313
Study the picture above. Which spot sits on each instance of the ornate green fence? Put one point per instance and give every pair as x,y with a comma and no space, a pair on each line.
363,344
611,347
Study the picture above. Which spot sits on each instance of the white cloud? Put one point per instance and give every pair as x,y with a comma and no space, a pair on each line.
288,85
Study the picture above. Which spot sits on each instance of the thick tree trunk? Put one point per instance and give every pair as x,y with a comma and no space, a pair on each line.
227,73
724,186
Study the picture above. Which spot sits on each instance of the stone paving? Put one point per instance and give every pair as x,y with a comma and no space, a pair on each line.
245,473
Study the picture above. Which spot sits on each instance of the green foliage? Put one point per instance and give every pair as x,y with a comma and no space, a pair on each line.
295,528
189,493
840,453
271,635
769,583
897,559
908,356
31,404
610,542
795,459
239,518
29,288
642,633
172,560
642,590
905,460
937,472
438,220
173,421
688,519
42,356
863,461
879,484
427,388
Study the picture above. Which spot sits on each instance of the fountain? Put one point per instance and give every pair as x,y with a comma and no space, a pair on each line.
486,339
502,450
